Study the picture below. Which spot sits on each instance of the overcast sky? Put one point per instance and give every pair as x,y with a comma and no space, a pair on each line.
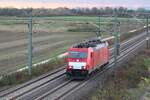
74,3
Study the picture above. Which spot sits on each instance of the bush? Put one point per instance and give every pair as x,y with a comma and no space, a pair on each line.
130,83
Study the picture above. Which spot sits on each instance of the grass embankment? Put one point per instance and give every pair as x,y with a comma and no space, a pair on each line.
20,77
132,81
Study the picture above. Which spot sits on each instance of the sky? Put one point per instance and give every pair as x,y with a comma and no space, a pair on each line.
74,3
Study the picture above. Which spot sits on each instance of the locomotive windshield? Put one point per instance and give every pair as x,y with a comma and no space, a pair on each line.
74,54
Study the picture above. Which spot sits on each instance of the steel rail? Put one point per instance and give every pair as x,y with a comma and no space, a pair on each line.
12,90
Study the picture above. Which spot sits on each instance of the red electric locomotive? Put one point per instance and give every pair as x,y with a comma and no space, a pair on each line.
85,58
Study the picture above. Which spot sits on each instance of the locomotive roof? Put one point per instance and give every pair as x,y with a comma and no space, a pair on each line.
91,43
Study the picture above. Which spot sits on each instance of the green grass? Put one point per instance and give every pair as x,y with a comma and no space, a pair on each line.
147,63
63,23
81,18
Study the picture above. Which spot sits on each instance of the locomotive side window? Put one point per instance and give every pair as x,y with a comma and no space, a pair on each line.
74,54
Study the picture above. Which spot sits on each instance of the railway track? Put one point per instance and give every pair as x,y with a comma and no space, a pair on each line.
100,77
54,79
56,93
72,86
36,82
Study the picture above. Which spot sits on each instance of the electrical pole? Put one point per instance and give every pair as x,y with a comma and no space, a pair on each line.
99,26
147,34
117,39
30,46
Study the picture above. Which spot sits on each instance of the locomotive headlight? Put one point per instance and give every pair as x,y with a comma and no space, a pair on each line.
83,67
70,67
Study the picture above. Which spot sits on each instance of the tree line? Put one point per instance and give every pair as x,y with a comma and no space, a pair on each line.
63,11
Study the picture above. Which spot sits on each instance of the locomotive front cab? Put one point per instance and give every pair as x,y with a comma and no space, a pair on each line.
77,63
